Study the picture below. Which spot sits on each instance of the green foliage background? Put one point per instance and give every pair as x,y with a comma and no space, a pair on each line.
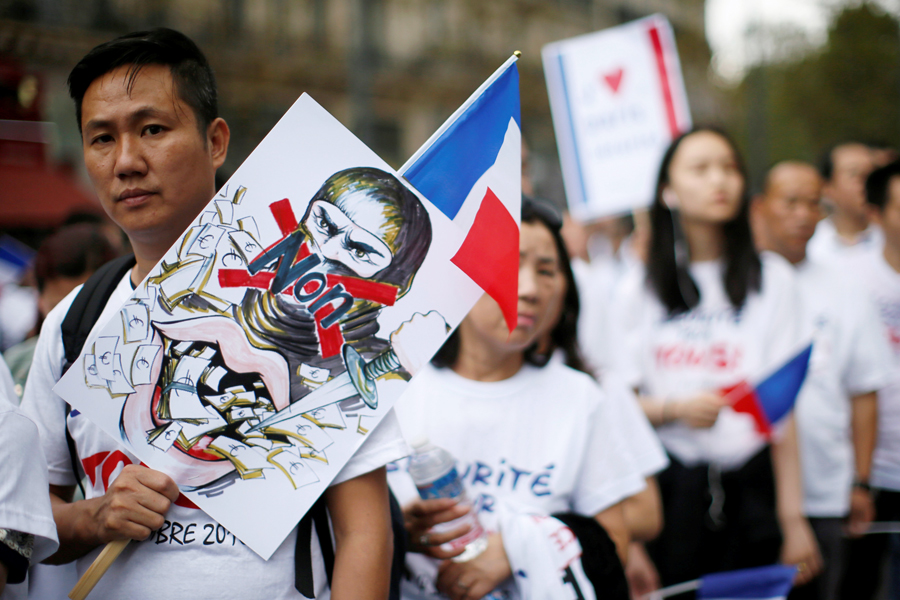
847,90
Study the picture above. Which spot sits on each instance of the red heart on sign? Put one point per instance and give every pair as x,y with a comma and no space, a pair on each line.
614,79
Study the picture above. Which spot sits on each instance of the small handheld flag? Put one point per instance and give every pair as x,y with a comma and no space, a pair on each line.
773,398
471,170
772,582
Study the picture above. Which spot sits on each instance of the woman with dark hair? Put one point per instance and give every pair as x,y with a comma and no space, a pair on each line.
532,435
707,313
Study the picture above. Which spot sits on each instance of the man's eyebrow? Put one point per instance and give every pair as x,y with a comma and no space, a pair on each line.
144,112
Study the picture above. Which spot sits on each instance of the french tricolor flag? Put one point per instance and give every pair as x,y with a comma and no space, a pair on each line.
471,169
774,397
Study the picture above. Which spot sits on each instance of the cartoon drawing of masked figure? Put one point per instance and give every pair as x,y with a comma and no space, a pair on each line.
321,287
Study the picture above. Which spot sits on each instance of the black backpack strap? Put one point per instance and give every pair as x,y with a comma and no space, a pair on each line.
78,322
89,304
303,572
318,514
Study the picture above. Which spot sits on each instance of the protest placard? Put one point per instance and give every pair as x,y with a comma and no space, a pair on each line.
617,100
275,334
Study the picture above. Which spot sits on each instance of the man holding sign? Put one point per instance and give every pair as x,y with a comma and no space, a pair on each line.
147,110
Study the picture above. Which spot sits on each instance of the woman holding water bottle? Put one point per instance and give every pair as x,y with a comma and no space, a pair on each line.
530,436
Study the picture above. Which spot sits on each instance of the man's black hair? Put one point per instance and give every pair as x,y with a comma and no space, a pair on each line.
878,184
194,80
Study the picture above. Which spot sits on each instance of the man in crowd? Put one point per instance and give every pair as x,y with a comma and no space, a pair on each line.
836,410
880,276
147,109
844,169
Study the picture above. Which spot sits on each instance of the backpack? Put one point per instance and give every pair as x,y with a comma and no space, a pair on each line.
76,326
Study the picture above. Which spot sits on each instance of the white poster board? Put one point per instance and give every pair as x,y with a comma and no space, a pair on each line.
617,99
276,333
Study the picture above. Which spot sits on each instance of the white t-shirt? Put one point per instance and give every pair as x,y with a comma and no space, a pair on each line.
826,245
24,503
191,556
850,357
882,283
706,349
539,442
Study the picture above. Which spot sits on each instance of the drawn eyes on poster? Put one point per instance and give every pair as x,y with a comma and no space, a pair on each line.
248,357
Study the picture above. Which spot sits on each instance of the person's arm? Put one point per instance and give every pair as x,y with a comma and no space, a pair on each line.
134,505
799,546
864,423
643,512
364,541
613,521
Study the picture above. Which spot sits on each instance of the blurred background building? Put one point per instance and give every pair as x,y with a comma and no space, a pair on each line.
394,70
390,70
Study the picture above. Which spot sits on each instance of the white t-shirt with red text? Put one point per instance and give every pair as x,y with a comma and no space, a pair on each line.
191,555
708,348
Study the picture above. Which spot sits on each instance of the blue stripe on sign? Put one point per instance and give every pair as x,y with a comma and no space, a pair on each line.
447,171
571,119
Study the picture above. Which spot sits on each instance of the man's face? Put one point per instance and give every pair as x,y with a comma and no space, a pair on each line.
889,218
152,168
790,209
852,164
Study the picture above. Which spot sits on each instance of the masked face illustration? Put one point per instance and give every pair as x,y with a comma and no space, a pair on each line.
357,243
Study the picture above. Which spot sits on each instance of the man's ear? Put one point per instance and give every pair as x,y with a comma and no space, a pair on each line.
217,137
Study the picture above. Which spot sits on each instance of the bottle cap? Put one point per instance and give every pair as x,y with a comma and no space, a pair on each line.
419,442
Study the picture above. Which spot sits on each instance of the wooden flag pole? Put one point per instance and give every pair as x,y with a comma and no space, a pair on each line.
103,561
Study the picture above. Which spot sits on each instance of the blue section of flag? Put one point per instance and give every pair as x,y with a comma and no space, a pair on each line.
447,171
774,581
778,392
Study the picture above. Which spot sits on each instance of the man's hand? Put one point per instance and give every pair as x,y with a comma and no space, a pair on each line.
700,411
478,577
134,505
419,516
862,511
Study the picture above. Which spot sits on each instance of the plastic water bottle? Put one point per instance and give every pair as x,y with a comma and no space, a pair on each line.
433,470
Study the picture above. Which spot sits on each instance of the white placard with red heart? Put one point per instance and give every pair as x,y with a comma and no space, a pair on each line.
618,100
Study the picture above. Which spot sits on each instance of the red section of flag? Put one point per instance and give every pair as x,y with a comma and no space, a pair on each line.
490,255
284,216
743,399
664,81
